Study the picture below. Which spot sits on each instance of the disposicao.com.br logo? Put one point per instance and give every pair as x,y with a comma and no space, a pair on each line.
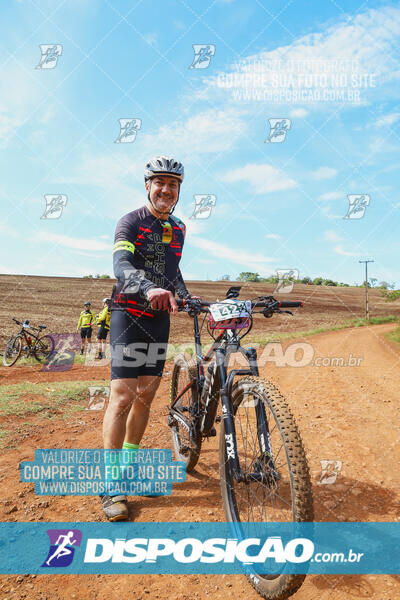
187,548
194,550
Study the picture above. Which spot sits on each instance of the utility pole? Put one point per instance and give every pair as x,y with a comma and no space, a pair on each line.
366,286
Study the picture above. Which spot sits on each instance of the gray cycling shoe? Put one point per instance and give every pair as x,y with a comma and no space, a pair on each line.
115,508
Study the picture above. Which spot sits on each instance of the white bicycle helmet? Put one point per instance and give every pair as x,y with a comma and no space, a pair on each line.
163,165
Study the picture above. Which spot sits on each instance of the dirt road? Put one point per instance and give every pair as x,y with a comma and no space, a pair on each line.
345,413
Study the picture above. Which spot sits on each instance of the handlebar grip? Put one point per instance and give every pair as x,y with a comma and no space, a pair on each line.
182,302
285,304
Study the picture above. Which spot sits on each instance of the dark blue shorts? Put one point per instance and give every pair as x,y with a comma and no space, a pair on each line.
138,345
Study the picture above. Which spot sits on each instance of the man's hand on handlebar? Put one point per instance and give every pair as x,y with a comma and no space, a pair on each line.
162,300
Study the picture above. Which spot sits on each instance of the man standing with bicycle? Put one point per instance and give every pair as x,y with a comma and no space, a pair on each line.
147,251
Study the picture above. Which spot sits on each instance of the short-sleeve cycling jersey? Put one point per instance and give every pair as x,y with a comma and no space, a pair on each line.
147,251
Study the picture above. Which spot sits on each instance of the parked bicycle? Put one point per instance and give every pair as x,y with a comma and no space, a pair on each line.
264,474
28,342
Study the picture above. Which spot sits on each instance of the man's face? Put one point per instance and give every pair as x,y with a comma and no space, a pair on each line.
163,192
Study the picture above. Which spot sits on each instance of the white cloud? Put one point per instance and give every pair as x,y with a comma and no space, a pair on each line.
151,38
8,125
48,113
237,256
298,113
189,276
273,236
363,43
118,179
206,132
331,196
332,236
206,261
339,250
6,228
263,178
179,25
388,119
324,173
20,95
105,171
193,226
326,210
70,242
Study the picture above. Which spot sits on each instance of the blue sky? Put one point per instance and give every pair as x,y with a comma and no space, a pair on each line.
278,205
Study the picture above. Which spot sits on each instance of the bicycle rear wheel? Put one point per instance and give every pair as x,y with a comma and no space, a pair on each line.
269,444
186,437
12,351
43,348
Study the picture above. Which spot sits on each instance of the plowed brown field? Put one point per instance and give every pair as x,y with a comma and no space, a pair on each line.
57,303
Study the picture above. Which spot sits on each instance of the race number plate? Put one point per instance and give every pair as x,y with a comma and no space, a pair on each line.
230,309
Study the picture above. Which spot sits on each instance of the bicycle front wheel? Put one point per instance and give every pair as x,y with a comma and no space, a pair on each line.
186,437
12,351
43,348
270,447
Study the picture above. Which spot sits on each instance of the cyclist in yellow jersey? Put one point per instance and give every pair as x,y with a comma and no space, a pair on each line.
87,319
103,322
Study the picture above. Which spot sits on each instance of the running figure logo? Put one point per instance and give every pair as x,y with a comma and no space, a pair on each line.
357,206
286,279
98,397
330,469
278,129
128,130
61,551
202,56
55,204
50,55
132,279
203,204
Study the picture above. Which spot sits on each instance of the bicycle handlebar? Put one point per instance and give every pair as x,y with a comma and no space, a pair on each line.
285,304
270,303
182,303
26,324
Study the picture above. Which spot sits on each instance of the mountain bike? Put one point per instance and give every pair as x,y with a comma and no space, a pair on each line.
29,342
263,468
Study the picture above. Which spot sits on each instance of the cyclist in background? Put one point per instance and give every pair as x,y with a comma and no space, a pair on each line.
87,319
147,251
103,322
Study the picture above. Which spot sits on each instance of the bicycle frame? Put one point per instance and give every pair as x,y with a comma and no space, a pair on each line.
31,345
220,386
